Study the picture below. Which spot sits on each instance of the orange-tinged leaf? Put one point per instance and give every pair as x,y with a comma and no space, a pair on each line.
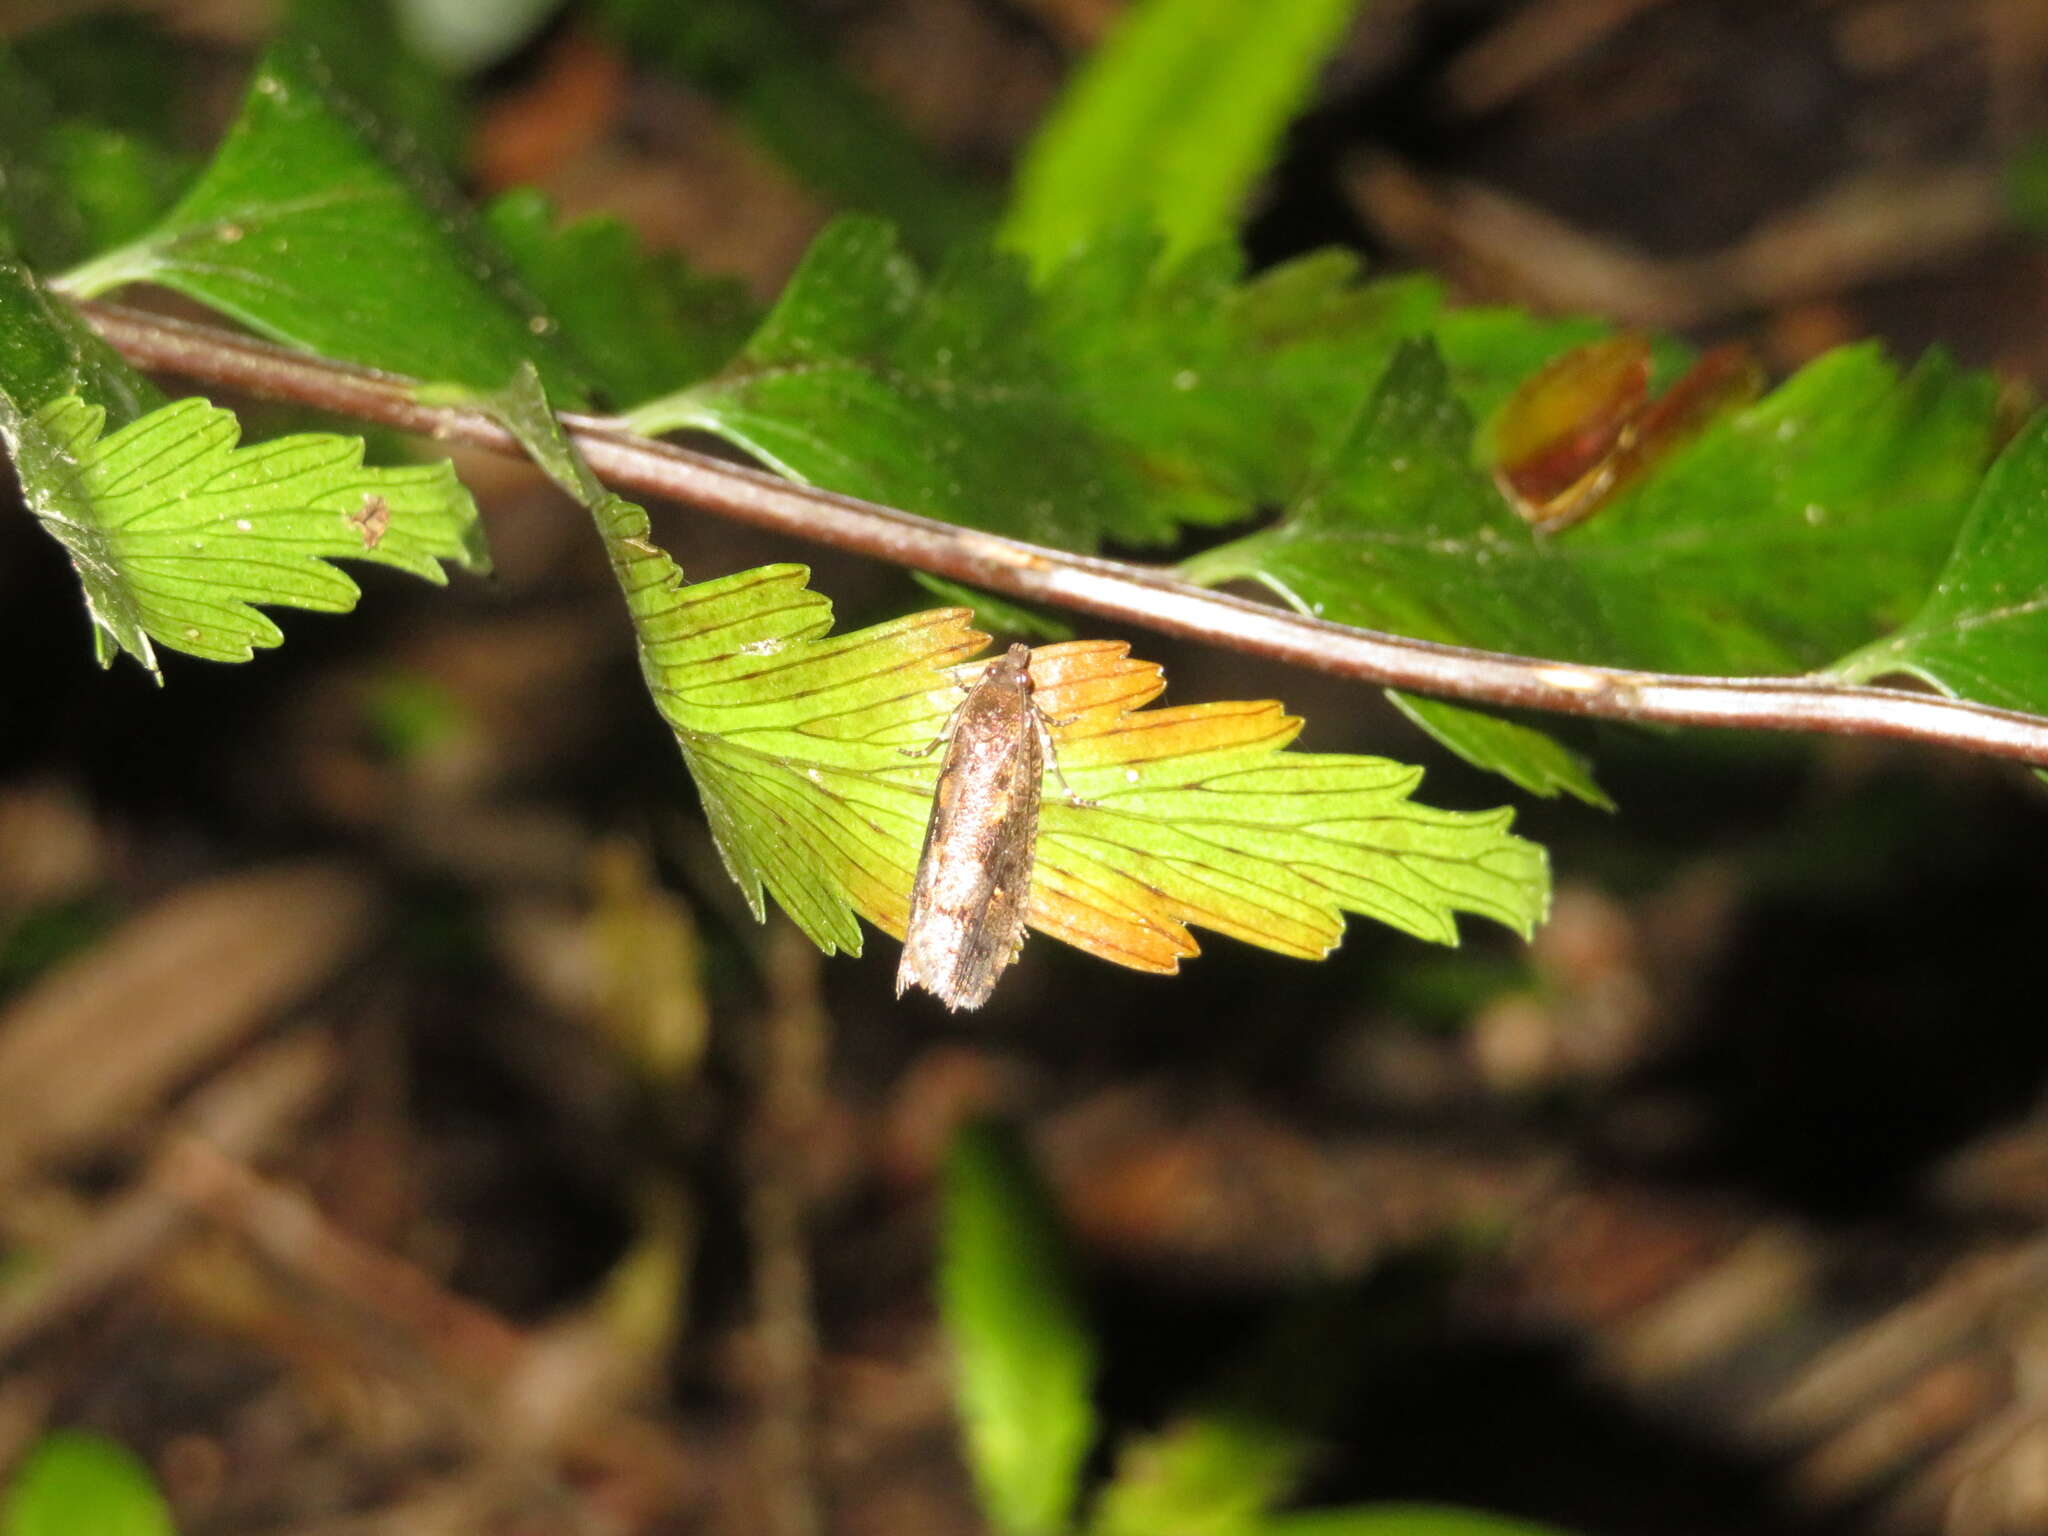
1196,814
811,754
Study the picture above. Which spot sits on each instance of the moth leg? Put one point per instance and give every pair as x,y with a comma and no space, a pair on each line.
1044,729
945,735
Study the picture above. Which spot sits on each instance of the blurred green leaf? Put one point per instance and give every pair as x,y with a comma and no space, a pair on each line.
18,1266
1205,1475
644,321
33,941
114,69
77,181
1435,991
302,227
120,184
762,61
2026,186
1022,1352
77,1484
1520,754
1215,1468
1982,633
1176,115
1398,1520
36,208
410,714
370,56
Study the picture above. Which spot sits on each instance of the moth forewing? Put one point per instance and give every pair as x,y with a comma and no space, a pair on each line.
974,876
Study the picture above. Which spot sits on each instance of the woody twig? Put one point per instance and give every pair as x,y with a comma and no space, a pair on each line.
1139,596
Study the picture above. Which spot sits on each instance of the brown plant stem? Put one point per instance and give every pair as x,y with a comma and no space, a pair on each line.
1145,597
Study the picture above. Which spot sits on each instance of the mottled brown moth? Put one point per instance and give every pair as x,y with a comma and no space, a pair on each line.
974,876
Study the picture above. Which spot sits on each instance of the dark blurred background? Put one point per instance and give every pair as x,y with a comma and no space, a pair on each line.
405,1128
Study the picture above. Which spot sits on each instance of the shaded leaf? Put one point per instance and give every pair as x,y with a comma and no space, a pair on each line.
47,352
176,533
1226,392
1520,754
1220,390
934,397
1780,537
644,322
1229,392
113,68
308,229
1400,531
1983,631
1022,1353
1177,113
1797,528
72,1482
1121,401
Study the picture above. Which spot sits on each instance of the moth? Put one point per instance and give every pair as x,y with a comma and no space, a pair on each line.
974,875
